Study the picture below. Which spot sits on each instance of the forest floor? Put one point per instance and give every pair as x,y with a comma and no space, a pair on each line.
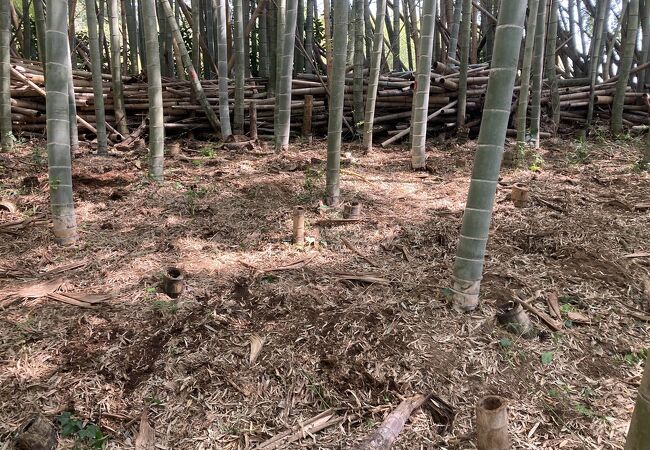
329,344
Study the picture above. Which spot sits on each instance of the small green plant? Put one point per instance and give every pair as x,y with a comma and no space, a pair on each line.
505,343
208,151
38,155
536,163
634,358
311,179
84,432
584,410
165,307
582,152
547,358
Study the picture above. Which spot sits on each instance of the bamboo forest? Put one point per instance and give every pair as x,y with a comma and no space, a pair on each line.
324,224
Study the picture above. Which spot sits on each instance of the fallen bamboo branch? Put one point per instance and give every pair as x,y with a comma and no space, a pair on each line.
384,436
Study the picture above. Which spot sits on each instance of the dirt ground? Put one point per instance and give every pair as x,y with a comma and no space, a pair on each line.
348,348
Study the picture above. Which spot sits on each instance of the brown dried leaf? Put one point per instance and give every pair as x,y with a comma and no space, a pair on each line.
578,318
256,347
553,305
40,289
145,440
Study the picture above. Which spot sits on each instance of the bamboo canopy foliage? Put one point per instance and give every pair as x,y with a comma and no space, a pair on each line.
337,86
58,125
154,90
6,135
470,256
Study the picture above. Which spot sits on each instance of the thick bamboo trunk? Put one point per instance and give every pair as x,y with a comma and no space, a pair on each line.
98,85
285,62
116,68
154,90
470,256
538,69
465,30
638,436
58,126
240,63
627,59
522,106
358,63
551,42
6,134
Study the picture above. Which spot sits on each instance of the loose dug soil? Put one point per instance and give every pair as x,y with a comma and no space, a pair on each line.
225,218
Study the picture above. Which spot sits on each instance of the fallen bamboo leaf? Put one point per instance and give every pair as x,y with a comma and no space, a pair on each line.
40,289
640,316
89,298
578,318
145,440
333,222
362,277
548,320
8,206
65,268
383,437
641,206
69,300
637,255
301,430
553,305
256,347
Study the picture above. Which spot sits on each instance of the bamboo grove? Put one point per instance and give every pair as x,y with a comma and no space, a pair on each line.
377,72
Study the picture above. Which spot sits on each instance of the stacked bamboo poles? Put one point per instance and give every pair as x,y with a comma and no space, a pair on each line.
392,110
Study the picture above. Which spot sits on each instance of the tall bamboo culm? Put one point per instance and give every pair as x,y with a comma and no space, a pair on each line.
337,91
538,70
638,436
627,59
358,63
58,122
116,68
470,256
98,85
285,62
373,77
154,88
39,21
522,106
551,44
465,30
422,85
6,135
222,65
240,63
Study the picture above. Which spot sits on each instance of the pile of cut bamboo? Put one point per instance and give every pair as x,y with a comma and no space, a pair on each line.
309,102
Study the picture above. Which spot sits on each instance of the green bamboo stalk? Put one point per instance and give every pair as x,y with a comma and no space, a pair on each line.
263,42
420,107
465,29
395,36
373,76
219,7
27,31
368,35
351,42
337,92
116,69
358,64
272,33
299,65
638,436
285,63
154,88
522,106
459,9
240,62
551,73
407,32
6,134
595,56
39,20
141,39
644,75
195,83
470,256
627,59
58,126
98,85
309,36
132,28
538,69
72,106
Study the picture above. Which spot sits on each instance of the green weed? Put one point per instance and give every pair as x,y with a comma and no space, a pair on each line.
84,432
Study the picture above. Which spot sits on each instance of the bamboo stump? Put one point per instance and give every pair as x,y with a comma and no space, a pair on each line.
307,116
519,195
173,282
299,225
513,317
252,116
492,424
352,211
36,433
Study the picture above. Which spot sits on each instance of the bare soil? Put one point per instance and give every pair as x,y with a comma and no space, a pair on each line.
224,218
